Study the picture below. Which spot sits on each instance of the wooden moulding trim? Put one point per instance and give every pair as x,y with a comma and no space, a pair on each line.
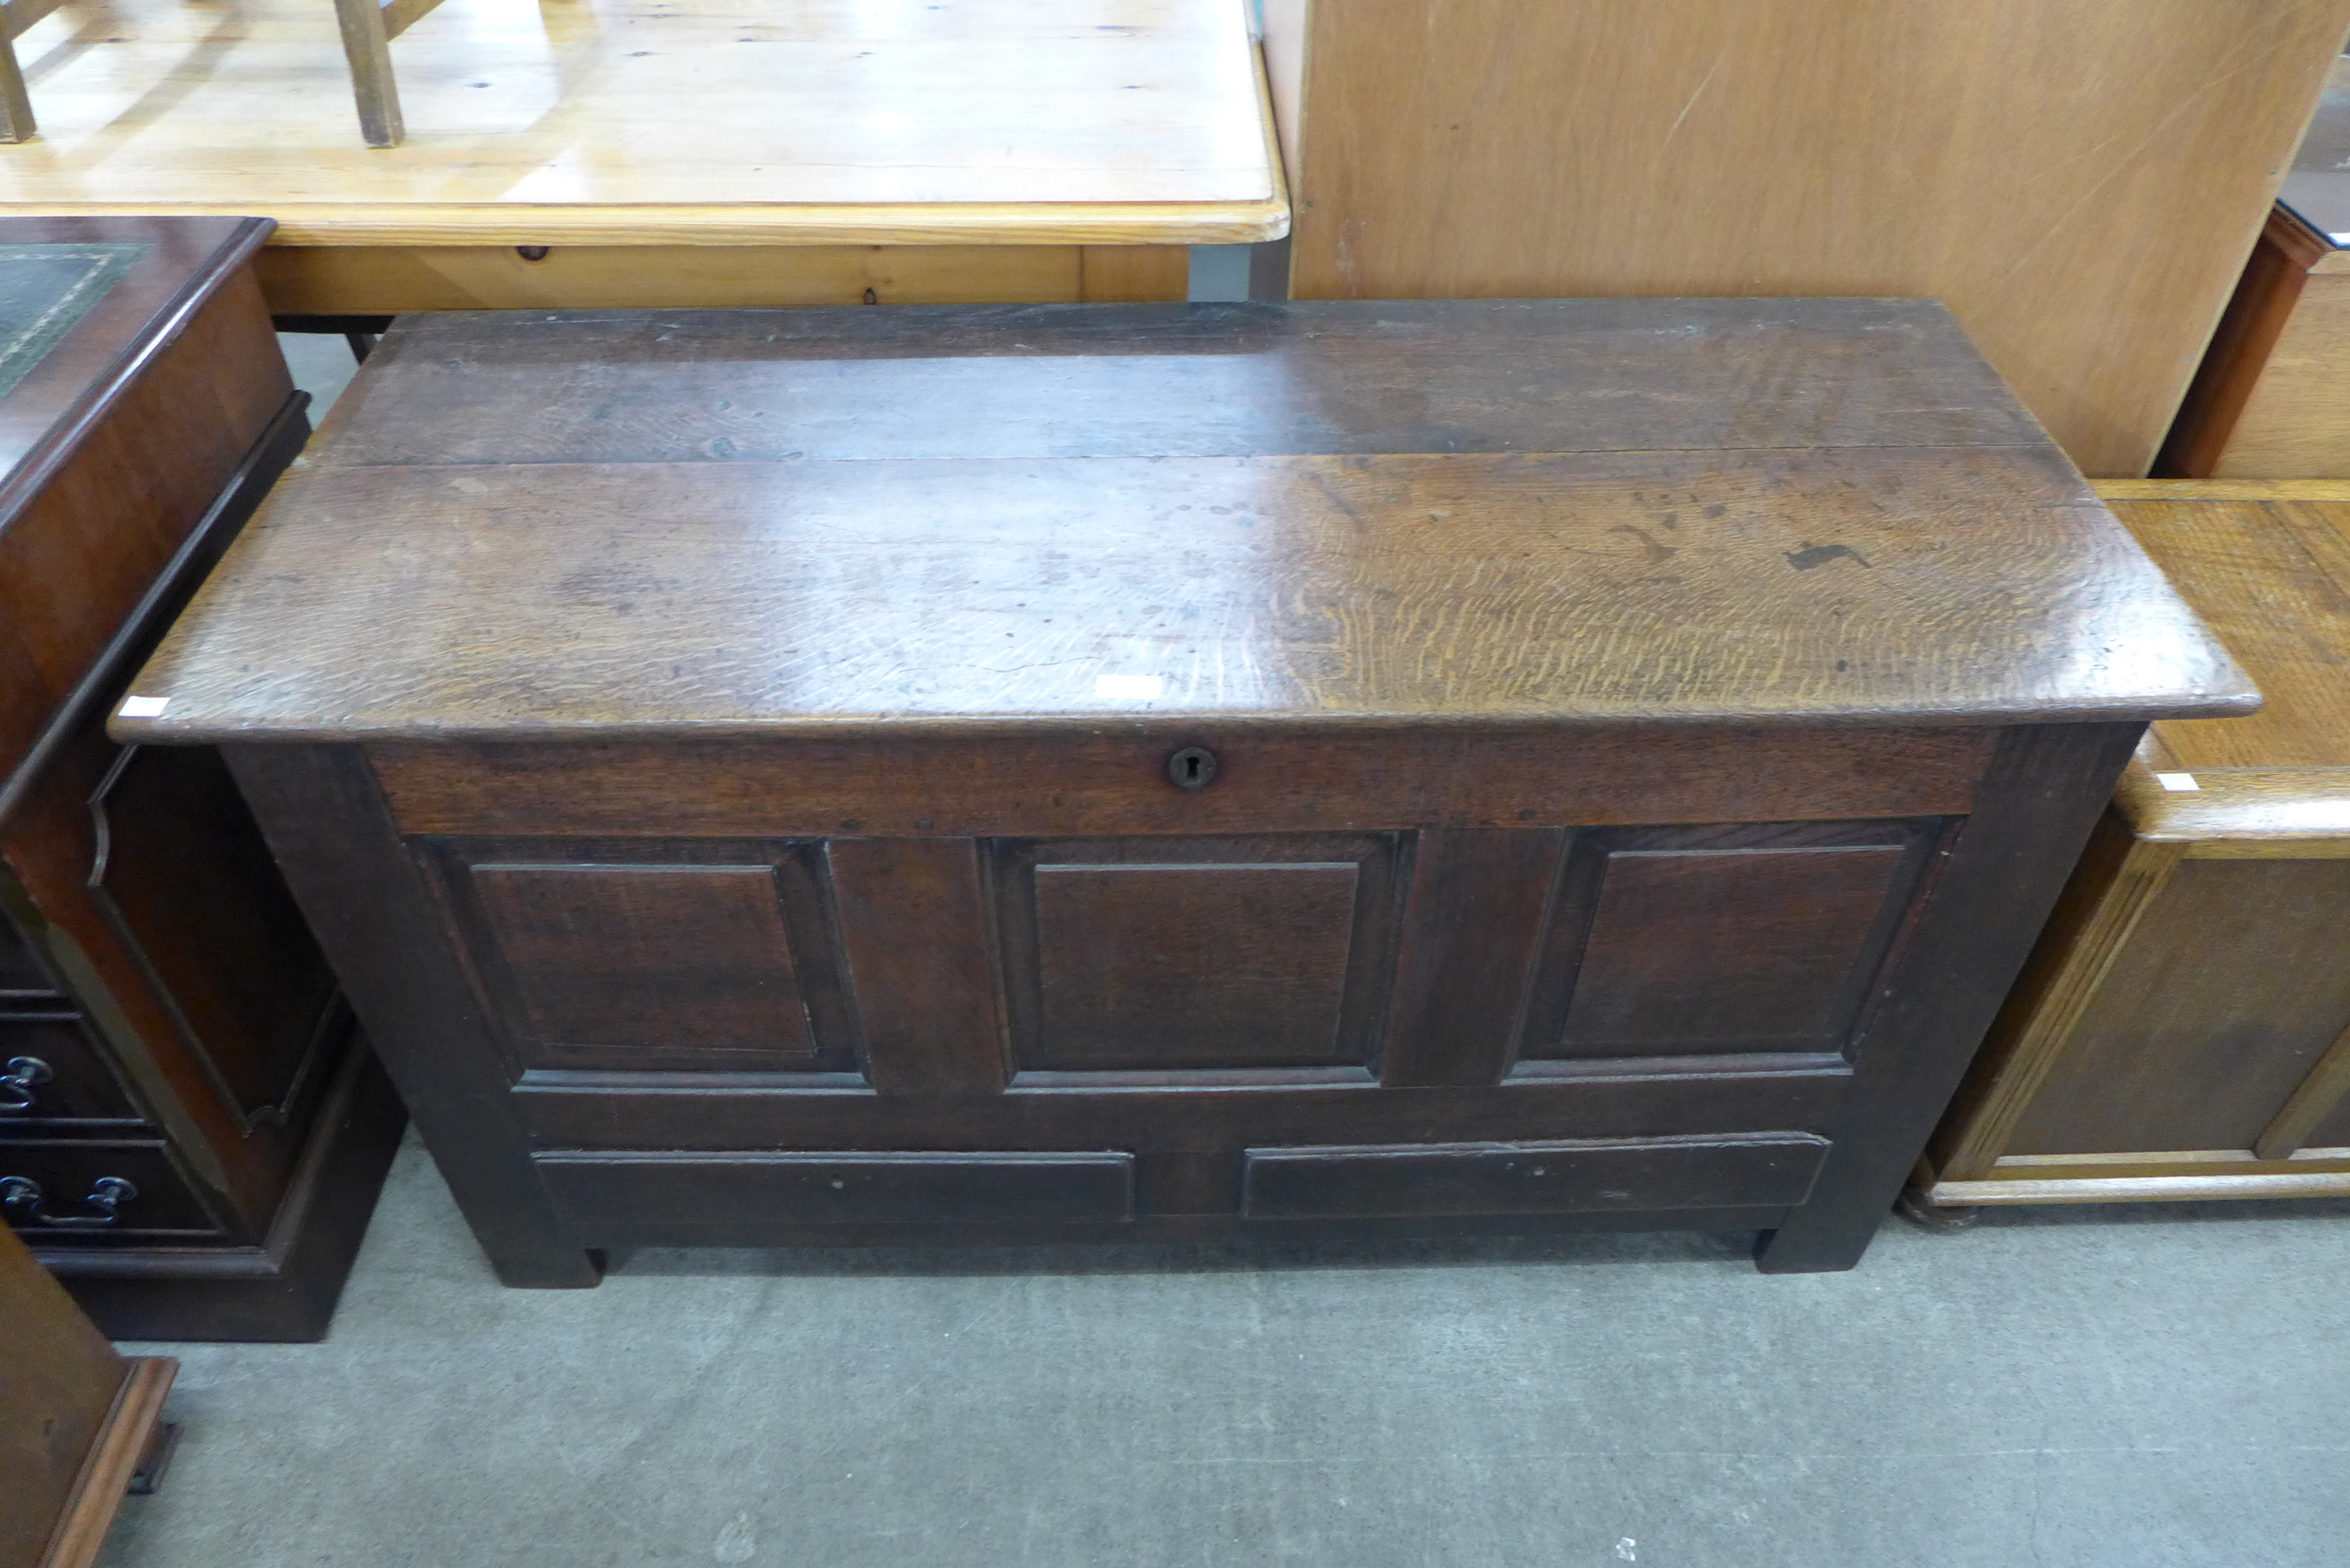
2141,1188
2062,999
893,223
2242,813
106,1472
2151,1162
2221,489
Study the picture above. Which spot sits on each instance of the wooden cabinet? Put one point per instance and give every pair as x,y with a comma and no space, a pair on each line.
188,1136
1178,772
2183,1030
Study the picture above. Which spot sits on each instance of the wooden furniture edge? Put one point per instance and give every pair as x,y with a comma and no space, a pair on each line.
745,224
2236,814
1273,163
2112,490
106,1471
42,460
2137,1189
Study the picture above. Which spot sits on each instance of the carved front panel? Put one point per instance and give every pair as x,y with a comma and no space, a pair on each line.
1720,939
686,956
1182,954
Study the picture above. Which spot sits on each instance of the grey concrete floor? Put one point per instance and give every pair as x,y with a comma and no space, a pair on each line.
2158,1386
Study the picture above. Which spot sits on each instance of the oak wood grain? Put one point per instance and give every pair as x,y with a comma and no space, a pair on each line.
1194,381
2272,579
674,599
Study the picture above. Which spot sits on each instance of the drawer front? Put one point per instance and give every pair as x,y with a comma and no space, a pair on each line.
57,1193
609,1196
22,973
1579,1177
52,1072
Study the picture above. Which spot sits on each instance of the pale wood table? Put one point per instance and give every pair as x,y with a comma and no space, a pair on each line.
600,153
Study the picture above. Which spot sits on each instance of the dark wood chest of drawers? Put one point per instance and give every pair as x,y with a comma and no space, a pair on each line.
1168,772
187,1137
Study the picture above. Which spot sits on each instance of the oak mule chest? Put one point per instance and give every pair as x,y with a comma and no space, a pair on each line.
1152,772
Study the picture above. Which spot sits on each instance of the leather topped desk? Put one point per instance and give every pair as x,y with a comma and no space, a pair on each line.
1102,772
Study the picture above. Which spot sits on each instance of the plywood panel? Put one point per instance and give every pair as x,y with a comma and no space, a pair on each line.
2087,225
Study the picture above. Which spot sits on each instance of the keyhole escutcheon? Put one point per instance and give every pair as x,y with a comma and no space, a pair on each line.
1193,767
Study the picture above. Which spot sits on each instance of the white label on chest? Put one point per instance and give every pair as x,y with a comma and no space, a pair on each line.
144,707
1128,688
2177,783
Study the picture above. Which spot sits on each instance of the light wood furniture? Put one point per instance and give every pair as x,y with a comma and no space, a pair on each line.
2079,181
189,1135
2184,1028
16,105
78,1417
657,154
369,26
1154,771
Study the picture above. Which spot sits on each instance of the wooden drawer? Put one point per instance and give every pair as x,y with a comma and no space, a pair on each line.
1574,1177
609,1196
163,1201
54,1073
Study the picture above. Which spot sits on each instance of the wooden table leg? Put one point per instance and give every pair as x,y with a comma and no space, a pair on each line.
2046,787
325,820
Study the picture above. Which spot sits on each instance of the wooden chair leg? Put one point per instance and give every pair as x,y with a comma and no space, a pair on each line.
369,50
16,105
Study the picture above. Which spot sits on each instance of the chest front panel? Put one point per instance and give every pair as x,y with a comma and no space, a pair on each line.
1347,1008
